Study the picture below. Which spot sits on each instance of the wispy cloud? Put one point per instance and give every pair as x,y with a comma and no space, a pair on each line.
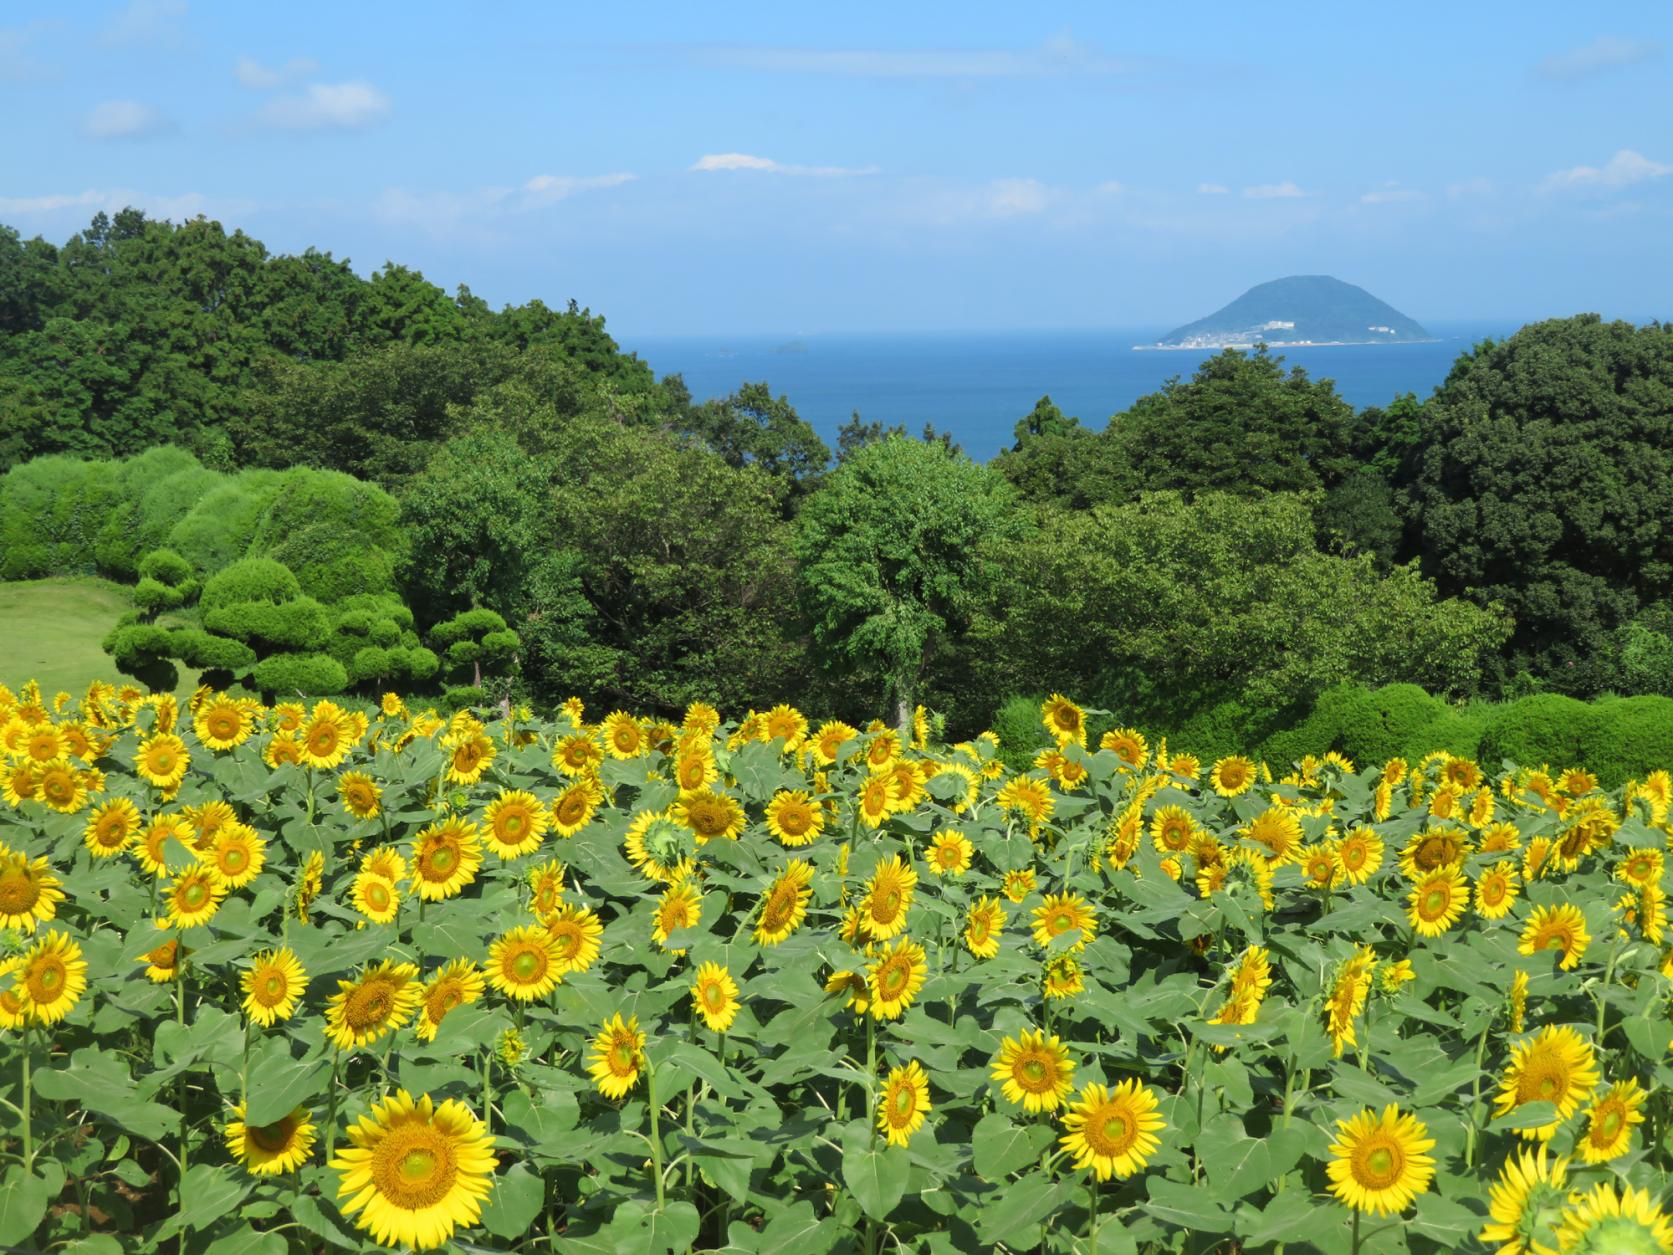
1391,194
722,162
1624,169
1274,191
144,22
1060,55
1012,198
1606,52
109,200
1212,189
123,119
327,107
253,73
448,211
1467,189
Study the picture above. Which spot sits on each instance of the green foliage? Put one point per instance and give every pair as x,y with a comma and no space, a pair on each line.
1178,606
1239,425
1543,479
895,559
1020,730
166,582
259,603
372,636
339,535
476,651
145,652
753,427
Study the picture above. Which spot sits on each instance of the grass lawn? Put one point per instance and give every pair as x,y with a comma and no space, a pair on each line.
50,631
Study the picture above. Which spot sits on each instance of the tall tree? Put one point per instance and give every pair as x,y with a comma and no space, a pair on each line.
893,558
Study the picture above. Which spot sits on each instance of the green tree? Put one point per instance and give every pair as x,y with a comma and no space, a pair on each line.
893,559
753,427
1545,483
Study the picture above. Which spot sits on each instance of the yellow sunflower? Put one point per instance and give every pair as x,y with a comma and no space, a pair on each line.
1347,998
415,1170
273,986
694,770
445,858
1064,913
785,904
573,809
1556,928
1496,890
618,1054
1064,720
794,818
1528,1196
788,724
1609,1122
983,925
164,963
50,978
1035,1070
1064,978
887,898
904,1103
710,815
1379,1164
1232,777
377,1001
193,897
827,742
269,1149
658,845
514,823
950,854
110,827
545,888
162,761
681,906
1604,1222
456,983
577,755
576,934
236,856
1019,883
61,786
524,964
714,994
1112,1132
1172,829
224,723
895,977
375,896
326,738
1437,901
29,892
360,794
1557,1066
1278,832
623,737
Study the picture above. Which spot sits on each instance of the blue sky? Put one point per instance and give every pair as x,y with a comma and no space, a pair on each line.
768,167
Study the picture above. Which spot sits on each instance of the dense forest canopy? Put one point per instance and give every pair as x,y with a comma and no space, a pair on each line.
515,492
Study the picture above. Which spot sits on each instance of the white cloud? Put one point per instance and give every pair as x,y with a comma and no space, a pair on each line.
188,205
123,119
1212,189
1624,169
144,22
327,106
253,73
1390,194
1606,52
1060,55
717,162
1110,187
450,211
1274,191
1012,198
1469,188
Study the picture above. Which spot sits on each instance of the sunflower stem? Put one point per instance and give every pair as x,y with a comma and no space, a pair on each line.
656,1134
180,1092
28,1137
488,1089
1475,1098
1603,993
331,1108
1356,1232
1092,1213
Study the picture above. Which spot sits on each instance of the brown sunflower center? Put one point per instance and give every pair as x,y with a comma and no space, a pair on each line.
45,978
18,891
413,1166
271,1138
369,1005
1379,1164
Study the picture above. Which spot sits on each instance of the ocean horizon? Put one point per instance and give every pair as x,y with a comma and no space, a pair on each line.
976,385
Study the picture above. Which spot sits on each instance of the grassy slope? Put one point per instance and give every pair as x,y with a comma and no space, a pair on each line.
50,631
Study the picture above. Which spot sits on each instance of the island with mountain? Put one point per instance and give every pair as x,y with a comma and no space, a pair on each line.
1299,310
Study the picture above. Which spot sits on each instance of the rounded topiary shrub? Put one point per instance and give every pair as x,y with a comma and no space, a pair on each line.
1544,728
305,675
1021,733
250,580
1627,738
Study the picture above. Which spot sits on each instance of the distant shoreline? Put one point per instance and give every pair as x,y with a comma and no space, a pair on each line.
1276,344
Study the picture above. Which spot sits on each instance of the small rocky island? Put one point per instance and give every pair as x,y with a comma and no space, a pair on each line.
1299,310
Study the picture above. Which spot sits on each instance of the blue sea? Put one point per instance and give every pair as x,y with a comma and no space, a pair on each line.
978,385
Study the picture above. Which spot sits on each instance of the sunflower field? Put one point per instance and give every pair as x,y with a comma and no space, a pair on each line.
310,978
